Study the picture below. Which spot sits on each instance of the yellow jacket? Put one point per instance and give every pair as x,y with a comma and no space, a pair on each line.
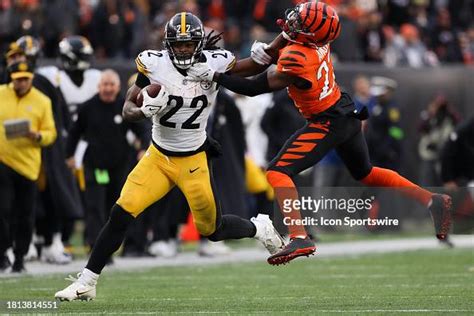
23,154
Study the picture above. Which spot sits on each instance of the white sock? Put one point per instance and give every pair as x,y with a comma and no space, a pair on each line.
89,277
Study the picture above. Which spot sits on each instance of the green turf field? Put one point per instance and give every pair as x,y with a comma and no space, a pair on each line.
431,282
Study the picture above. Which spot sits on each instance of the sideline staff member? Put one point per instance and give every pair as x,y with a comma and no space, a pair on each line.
20,160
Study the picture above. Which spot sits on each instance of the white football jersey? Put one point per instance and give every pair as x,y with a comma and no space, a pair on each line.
73,94
181,127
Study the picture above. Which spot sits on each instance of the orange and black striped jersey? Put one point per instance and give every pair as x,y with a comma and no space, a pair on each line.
315,66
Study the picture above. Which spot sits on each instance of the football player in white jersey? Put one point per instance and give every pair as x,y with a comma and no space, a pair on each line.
78,82
76,79
179,155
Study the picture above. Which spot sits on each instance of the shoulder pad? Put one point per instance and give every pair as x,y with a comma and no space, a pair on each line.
222,60
147,60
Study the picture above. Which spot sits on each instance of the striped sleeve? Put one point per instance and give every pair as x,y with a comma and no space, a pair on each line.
292,61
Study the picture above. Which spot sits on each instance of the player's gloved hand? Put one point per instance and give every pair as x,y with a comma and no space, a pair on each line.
200,72
152,106
259,55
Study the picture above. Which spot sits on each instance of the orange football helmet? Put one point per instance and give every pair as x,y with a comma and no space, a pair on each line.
312,23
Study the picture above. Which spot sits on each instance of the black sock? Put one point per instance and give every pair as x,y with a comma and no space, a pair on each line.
233,227
110,238
264,205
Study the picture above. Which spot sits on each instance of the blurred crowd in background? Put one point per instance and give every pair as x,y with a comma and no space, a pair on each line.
417,33
394,32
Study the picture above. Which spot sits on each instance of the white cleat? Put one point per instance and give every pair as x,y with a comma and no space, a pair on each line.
213,248
76,291
165,249
267,234
53,254
32,253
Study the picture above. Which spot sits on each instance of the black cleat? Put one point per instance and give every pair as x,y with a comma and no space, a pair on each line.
4,263
441,214
18,266
296,248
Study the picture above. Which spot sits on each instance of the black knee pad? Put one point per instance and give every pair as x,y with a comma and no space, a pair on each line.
361,173
119,218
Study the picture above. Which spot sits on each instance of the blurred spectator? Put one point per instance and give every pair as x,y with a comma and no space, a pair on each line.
78,82
20,159
116,28
444,39
347,46
437,123
396,12
384,133
101,125
57,190
21,17
406,49
65,14
122,28
373,38
267,12
466,41
225,126
458,175
280,122
458,155
362,95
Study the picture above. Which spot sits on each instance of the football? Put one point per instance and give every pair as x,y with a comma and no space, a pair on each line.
152,89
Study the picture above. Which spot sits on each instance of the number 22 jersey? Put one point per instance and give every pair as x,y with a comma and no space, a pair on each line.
181,127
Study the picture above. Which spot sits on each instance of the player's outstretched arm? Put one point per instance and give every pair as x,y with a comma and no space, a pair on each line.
131,112
249,67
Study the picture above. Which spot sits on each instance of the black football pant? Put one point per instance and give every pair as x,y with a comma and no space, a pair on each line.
17,202
337,128
99,198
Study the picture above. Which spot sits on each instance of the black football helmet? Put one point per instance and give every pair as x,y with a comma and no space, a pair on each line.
75,52
30,46
184,27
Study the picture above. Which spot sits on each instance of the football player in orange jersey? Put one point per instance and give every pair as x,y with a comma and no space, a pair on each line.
304,67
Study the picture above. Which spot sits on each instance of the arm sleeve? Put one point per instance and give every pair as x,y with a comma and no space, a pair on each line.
48,128
142,81
249,87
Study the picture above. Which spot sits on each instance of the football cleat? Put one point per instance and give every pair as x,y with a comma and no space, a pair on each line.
440,210
213,248
52,254
18,266
4,263
78,290
267,234
165,249
296,248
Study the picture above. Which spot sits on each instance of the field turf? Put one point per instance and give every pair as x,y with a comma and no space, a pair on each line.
427,282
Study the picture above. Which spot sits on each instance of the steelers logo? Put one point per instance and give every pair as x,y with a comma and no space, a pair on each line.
22,67
206,85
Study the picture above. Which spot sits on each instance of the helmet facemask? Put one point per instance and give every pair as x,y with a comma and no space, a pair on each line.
184,60
293,29
76,53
